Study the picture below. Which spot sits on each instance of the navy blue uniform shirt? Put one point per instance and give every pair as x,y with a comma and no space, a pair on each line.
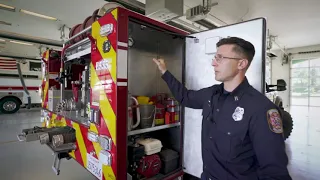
241,132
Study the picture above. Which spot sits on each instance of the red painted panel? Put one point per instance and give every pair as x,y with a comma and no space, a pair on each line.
122,104
30,88
109,19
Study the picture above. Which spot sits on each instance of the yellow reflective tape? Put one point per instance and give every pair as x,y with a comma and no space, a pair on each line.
72,154
108,172
111,55
106,109
60,123
45,91
108,116
82,146
63,120
115,14
51,120
47,55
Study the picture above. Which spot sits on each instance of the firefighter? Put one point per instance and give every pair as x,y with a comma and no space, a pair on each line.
242,133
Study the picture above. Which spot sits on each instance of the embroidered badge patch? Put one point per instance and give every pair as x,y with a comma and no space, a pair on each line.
238,114
274,121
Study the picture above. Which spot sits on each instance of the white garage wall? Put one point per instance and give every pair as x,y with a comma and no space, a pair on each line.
282,71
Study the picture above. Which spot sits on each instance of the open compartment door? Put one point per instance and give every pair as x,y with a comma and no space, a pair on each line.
200,74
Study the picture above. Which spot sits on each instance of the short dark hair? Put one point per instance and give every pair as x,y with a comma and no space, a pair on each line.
241,46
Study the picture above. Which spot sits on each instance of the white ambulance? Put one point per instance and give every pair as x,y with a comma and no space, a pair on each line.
12,92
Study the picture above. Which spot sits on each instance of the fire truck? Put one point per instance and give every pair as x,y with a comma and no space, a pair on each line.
19,84
109,109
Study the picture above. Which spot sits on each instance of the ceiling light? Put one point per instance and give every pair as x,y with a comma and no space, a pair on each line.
37,14
6,7
23,43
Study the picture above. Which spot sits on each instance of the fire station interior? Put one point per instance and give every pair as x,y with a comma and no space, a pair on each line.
56,122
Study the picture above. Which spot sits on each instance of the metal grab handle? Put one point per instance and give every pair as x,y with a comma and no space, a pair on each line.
21,135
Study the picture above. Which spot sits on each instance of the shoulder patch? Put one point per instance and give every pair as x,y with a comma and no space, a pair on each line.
274,121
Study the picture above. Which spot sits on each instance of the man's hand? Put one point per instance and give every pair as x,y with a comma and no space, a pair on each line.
161,65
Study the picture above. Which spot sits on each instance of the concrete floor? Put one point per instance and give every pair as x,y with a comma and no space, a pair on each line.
32,161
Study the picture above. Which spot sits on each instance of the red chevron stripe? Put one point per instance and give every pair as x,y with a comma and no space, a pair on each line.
89,145
109,88
113,146
77,151
109,19
78,155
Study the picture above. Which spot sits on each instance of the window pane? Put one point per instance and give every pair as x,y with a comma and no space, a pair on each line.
299,63
299,91
315,62
300,72
34,66
314,101
315,90
315,72
299,82
314,81
299,100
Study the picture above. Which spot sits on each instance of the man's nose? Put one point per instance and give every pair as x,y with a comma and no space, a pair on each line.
214,62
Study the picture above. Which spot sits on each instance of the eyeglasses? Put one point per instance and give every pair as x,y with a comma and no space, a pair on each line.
219,58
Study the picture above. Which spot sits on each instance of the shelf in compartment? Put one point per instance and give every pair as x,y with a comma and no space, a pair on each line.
155,128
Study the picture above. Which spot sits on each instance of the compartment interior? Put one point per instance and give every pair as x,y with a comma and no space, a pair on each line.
144,79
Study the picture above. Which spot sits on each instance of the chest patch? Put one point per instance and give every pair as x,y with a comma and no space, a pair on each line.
274,121
238,114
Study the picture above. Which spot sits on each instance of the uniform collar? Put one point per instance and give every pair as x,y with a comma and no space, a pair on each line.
238,91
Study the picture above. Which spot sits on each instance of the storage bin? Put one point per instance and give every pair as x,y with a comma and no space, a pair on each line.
170,161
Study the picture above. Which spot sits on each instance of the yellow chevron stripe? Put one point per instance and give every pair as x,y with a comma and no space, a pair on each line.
46,87
109,55
61,123
82,146
106,109
45,92
107,170
51,120
63,120
47,55
72,154
115,14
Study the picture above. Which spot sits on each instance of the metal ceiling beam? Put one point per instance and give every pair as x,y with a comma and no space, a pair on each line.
206,24
19,57
21,37
133,5
181,27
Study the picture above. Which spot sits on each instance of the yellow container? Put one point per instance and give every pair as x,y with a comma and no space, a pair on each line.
143,99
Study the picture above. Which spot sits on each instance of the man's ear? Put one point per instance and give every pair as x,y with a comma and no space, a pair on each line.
243,64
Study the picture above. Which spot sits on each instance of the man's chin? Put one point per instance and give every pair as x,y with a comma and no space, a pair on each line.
218,79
